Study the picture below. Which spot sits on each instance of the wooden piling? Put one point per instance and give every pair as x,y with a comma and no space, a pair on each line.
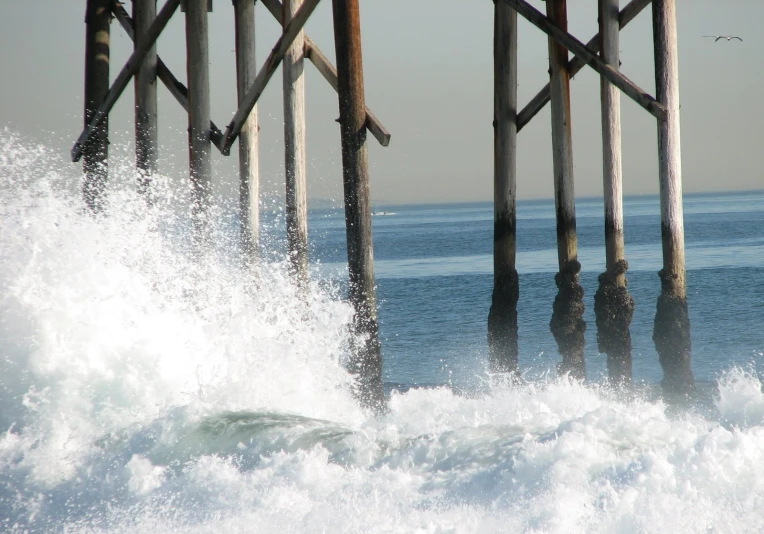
502,318
249,169
613,305
96,149
671,332
366,359
567,324
294,150
197,66
146,141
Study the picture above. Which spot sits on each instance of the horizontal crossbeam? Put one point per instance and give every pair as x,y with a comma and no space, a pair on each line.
175,86
266,72
327,70
123,78
627,14
590,58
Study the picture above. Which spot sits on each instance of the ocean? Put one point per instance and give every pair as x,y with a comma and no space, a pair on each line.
147,388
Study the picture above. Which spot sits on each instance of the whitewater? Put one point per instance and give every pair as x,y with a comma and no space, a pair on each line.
147,388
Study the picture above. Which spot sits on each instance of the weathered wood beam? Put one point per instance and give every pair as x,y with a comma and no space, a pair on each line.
146,139
671,332
366,357
613,305
502,317
294,152
173,84
627,14
127,72
327,70
266,72
97,59
199,153
249,164
567,324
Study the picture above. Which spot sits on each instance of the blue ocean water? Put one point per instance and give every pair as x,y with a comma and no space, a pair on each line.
146,386
434,271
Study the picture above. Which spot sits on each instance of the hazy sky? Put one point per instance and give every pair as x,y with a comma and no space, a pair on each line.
428,70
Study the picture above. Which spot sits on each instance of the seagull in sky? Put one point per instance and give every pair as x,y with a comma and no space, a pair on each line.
728,37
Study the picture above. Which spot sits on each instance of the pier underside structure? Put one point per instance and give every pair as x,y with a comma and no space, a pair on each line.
613,304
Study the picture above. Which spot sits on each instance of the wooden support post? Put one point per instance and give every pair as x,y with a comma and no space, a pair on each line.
266,71
146,142
124,76
294,151
197,66
541,99
366,360
96,150
613,305
671,333
502,319
567,322
249,173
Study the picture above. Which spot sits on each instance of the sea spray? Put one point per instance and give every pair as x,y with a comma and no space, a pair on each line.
146,389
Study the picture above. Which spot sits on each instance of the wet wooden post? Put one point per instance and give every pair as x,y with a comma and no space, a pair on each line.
502,318
366,359
96,150
294,150
146,142
249,173
197,66
613,305
567,324
671,332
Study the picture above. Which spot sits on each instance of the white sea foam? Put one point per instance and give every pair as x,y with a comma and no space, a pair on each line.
143,389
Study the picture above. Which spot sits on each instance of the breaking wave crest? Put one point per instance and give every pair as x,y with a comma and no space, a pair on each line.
145,388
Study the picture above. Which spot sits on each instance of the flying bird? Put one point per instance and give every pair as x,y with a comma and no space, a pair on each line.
728,37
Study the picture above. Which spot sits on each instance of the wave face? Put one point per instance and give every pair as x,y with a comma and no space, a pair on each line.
146,388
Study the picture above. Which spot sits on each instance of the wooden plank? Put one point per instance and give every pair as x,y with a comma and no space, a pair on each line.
627,14
96,148
294,151
249,168
502,317
176,87
327,70
127,72
366,359
266,72
146,141
199,144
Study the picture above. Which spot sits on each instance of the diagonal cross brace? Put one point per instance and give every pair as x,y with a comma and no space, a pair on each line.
327,70
578,48
537,103
175,86
266,72
123,78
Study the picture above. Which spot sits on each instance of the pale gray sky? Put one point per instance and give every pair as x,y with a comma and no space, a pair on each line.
428,69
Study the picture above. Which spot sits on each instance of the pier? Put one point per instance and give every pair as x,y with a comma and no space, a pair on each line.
294,51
